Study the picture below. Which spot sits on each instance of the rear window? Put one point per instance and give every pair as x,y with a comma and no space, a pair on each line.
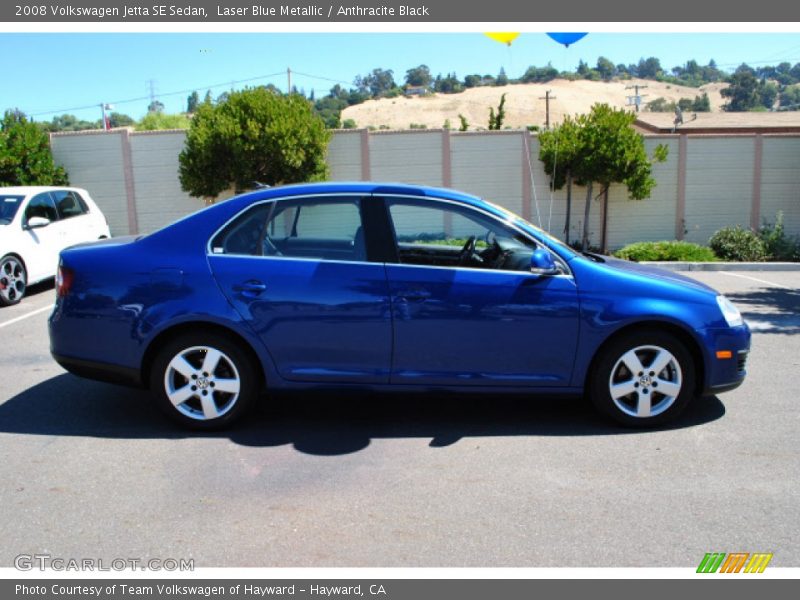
9,205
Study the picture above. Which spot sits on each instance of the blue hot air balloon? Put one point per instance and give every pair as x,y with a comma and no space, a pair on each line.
566,38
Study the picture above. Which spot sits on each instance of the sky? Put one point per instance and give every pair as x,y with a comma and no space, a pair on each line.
46,74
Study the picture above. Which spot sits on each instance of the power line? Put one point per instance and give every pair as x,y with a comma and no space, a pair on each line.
164,95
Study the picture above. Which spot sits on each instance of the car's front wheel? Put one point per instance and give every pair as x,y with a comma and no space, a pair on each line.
643,379
204,381
13,280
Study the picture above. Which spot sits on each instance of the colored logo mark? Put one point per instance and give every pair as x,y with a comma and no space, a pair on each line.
735,562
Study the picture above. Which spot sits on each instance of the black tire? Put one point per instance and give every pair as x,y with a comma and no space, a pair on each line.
203,389
13,280
666,392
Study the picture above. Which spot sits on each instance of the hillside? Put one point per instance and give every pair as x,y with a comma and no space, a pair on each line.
523,104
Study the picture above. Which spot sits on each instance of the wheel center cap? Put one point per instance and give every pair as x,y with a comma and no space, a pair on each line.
202,383
645,381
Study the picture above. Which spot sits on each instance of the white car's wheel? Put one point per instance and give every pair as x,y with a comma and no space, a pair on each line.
13,280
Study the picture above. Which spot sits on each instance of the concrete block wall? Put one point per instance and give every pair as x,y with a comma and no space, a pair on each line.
706,183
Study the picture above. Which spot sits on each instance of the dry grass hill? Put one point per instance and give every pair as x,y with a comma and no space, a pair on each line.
524,105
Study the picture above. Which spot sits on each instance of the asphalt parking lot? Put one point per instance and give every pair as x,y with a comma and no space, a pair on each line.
93,470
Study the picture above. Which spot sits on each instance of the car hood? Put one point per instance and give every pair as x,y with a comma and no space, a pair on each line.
652,272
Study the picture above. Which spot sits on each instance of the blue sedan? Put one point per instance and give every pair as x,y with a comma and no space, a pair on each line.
384,286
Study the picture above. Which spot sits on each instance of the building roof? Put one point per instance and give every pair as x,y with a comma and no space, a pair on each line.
725,122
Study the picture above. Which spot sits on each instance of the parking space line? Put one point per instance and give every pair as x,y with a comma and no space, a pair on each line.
780,285
25,316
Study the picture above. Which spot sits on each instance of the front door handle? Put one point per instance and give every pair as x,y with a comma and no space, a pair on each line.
250,289
414,295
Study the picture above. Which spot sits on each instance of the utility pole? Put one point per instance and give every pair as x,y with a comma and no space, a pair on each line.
288,80
104,107
636,99
546,99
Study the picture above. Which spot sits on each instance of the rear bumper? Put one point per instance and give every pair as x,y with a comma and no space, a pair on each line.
100,371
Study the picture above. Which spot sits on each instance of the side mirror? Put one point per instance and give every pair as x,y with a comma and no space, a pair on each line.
542,263
36,222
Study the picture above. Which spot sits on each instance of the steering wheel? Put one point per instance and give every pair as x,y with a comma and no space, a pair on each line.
467,251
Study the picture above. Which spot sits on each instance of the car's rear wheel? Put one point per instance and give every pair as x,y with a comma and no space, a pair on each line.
643,379
13,280
204,381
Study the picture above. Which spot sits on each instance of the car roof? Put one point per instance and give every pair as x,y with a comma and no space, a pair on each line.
24,190
363,188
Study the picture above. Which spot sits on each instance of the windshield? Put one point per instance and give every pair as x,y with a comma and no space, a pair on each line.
520,222
8,208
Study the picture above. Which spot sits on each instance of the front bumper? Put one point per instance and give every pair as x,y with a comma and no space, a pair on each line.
725,374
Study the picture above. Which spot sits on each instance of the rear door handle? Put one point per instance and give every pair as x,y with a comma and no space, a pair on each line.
250,289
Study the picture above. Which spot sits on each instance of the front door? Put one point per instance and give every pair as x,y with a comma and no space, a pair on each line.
467,310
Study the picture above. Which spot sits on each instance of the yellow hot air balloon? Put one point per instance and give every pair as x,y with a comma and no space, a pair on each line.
503,37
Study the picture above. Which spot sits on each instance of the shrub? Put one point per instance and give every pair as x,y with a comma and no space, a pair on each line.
735,243
779,246
666,250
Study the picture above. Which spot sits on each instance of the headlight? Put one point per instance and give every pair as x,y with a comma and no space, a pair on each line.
729,311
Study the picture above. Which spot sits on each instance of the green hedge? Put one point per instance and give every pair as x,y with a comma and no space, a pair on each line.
735,243
666,250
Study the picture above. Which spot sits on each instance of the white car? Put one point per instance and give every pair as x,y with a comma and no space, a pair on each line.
36,223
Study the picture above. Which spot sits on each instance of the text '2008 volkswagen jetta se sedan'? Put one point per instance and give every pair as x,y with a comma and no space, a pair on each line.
385,286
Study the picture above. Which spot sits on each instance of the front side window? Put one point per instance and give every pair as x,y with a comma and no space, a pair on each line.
69,204
321,228
442,234
41,205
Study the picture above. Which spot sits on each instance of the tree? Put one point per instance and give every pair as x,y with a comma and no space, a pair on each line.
599,148
605,68
257,135
464,124
69,123
743,90
448,85
116,119
790,98
377,83
155,106
155,121
649,68
25,156
496,119
192,102
471,81
419,77
502,78
539,74
701,103
558,150
611,151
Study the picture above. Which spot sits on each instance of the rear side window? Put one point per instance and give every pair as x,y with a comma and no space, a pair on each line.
69,204
9,205
321,228
42,205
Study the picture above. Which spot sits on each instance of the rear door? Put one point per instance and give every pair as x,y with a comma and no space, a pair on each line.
40,246
297,272
77,224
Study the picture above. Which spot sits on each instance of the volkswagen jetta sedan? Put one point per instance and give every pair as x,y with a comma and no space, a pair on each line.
384,286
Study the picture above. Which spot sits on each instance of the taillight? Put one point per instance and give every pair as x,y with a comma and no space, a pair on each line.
64,278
